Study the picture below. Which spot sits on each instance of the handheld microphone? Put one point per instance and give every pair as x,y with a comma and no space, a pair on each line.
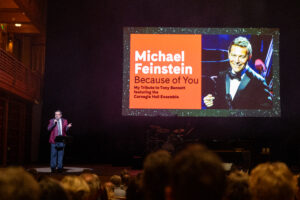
56,120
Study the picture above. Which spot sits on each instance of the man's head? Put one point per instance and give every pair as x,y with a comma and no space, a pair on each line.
239,53
196,173
17,184
272,181
58,114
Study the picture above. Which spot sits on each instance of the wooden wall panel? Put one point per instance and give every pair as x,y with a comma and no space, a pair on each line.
15,130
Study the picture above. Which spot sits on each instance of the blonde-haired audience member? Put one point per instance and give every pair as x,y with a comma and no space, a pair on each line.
94,183
76,187
272,181
17,184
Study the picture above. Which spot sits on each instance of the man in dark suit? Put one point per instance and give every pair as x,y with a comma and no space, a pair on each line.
239,87
58,126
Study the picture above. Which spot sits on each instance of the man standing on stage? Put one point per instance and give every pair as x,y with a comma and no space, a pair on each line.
58,127
239,87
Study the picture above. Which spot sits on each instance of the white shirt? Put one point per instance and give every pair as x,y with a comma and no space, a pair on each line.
118,192
60,126
234,85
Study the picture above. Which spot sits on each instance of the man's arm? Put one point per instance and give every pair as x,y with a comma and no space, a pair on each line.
51,125
68,125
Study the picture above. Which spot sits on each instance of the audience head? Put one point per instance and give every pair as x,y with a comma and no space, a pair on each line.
237,186
109,186
125,180
76,187
272,181
196,173
156,174
124,172
52,190
125,177
17,184
94,183
116,180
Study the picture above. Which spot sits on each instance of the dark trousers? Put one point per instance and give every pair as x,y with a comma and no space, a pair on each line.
57,155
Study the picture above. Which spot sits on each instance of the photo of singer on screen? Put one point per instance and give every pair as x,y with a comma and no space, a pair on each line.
201,72
241,85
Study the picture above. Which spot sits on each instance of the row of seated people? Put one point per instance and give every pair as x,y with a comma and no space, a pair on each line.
194,173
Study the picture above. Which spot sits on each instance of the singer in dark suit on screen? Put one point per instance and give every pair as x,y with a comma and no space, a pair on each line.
239,87
58,126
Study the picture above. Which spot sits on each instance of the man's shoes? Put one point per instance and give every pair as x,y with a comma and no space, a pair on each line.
59,170
53,170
